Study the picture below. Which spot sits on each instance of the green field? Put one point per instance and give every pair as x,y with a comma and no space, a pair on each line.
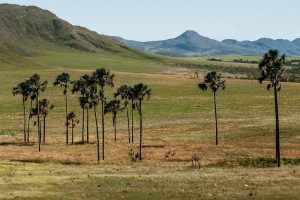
178,121
177,117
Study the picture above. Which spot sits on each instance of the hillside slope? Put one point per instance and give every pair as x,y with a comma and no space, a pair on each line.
8,58
30,23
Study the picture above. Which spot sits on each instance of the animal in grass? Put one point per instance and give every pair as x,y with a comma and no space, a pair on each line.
196,161
169,154
133,156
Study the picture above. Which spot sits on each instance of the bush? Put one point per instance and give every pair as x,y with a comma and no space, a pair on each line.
266,162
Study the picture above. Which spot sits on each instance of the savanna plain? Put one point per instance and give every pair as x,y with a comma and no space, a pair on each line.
178,124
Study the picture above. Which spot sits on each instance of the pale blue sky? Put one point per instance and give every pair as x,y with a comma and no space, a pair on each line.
160,19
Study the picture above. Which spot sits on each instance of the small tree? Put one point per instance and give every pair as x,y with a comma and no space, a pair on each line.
45,108
71,120
213,81
63,80
141,91
272,69
113,107
124,92
23,89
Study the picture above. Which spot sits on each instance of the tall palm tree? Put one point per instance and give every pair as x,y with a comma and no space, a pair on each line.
141,91
124,92
132,98
38,87
63,80
273,70
81,87
32,81
103,78
213,81
113,107
71,117
23,89
95,98
78,86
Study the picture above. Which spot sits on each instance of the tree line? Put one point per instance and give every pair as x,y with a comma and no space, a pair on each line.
92,93
92,90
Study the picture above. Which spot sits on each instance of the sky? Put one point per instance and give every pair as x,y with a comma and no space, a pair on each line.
148,20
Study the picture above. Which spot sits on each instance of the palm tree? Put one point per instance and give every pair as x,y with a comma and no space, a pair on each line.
32,81
45,107
113,107
103,78
272,69
63,80
38,87
213,81
132,98
23,89
140,91
81,87
78,86
124,92
71,120
95,98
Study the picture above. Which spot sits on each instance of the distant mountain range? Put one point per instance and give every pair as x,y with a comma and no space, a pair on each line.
190,43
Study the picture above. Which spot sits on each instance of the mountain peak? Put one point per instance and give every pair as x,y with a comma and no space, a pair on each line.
190,33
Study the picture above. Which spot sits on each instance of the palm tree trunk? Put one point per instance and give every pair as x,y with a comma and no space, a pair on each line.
44,138
132,121
115,126
39,133
29,117
67,137
24,114
97,132
72,131
128,126
141,127
216,117
82,139
87,124
102,102
277,127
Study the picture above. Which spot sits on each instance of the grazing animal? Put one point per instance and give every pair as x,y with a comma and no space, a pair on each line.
195,162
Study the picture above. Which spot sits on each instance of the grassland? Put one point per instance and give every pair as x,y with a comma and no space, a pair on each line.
177,118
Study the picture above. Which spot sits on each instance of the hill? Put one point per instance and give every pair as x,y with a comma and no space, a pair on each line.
38,35
190,43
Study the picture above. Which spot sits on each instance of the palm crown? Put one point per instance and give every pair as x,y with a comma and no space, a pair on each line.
125,93
45,106
103,77
112,106
213,81
36,85
140,91
272,68
63,80
22,88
